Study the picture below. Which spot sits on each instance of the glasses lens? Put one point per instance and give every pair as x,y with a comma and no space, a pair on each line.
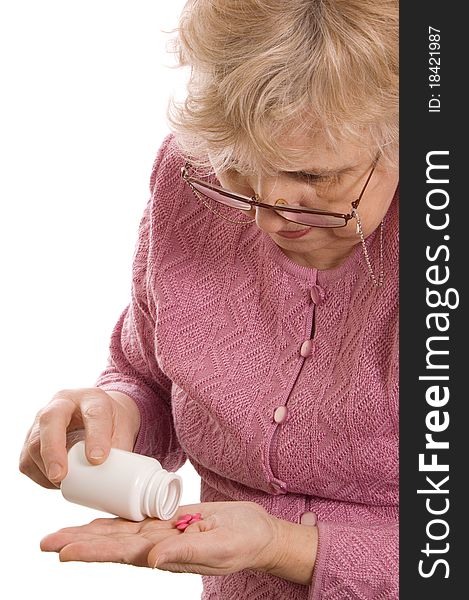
302,218
220,197
312,219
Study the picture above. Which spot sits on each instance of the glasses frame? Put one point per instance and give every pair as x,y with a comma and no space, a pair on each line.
254,201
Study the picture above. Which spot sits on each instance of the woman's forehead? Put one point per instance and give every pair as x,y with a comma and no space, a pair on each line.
303,153
315,154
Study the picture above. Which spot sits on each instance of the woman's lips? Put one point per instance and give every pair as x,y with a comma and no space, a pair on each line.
292,234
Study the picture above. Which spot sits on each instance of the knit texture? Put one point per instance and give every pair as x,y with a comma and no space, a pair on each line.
211,344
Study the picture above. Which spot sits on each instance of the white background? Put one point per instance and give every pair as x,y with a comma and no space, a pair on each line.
84,90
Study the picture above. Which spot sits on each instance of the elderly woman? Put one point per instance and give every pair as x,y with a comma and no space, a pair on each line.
261,339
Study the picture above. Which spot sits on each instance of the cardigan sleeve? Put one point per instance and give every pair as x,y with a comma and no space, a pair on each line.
132,366
356,562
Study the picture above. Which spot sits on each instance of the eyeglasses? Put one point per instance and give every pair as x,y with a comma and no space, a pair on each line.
296,214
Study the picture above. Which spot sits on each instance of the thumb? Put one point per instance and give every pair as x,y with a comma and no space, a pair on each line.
177,556
181,550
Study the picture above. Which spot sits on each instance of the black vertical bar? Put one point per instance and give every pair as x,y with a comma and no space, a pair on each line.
433,259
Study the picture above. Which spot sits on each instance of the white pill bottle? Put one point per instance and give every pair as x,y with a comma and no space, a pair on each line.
129,485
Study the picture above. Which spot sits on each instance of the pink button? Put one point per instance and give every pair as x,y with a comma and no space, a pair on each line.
280,414
317,294
309,518
307,348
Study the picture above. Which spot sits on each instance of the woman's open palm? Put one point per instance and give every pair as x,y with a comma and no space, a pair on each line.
230,537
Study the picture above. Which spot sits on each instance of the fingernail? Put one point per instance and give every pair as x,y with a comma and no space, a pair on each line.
159,561
96,453
54,472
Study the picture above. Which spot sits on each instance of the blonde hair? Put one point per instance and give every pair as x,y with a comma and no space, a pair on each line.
264,69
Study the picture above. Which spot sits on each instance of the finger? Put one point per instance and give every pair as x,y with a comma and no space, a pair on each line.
54,542
30,463
38,477
39,473
98,417
186,557
102,527
195,568
53,423
195,547
107,551
150,528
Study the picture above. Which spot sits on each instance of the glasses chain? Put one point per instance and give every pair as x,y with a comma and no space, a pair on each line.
201,198
377,282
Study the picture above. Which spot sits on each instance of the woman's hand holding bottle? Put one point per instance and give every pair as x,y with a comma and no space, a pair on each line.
102,419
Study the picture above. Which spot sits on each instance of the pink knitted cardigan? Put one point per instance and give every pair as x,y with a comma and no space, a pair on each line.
222,329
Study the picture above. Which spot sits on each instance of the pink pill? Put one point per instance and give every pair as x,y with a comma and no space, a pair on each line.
182,520
185,517
194,520
187,520
182,523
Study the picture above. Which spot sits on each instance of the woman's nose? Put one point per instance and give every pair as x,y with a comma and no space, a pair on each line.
270,191
268,220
